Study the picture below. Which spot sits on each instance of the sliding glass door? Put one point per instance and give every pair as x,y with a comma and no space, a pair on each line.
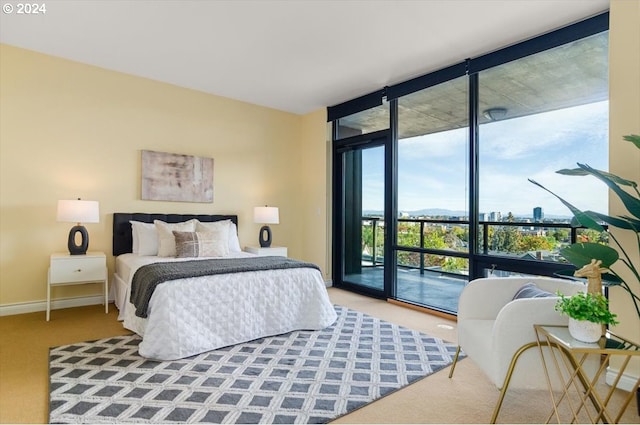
432,264
361,212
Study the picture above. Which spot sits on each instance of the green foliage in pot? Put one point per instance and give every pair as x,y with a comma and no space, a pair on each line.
580,254
586,306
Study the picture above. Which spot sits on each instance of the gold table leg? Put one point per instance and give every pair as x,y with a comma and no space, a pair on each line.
565,363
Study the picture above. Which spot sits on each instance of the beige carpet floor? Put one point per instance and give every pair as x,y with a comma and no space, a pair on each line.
468,397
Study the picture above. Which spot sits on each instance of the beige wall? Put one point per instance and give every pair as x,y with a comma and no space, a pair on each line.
71,130
624,158
316,194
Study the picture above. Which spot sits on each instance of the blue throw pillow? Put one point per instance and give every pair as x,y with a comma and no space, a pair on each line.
530,290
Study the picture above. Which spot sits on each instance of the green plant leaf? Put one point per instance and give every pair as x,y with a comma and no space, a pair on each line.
583,172
586,306
631,203
582,218
633,138
572,172
627,223
581,254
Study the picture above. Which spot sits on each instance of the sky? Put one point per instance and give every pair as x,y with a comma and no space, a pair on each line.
433,170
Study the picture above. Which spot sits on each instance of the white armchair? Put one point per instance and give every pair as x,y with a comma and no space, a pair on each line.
496,331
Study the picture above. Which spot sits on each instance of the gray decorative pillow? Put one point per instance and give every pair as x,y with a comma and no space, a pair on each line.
200,244
530,290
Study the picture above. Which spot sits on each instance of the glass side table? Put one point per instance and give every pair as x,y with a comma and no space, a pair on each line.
579,387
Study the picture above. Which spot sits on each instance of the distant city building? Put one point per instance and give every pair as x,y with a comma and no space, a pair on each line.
495,216
538,215
484,217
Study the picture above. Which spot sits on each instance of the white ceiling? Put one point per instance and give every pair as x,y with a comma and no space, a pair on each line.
296,56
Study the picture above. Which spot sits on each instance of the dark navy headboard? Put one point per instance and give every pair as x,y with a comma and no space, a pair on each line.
123,240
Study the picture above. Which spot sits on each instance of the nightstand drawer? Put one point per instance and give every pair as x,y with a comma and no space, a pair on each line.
278,251
84,269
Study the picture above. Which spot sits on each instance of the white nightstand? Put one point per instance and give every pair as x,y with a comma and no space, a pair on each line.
279,251
67,269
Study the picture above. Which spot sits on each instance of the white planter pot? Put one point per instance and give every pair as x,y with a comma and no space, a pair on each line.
585,331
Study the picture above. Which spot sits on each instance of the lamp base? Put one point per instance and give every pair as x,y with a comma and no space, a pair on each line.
84,240
265,242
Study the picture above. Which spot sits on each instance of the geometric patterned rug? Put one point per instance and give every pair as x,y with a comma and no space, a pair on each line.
299,377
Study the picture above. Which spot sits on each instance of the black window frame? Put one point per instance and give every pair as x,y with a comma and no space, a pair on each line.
478,261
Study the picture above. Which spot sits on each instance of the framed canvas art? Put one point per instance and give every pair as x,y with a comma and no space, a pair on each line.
175,177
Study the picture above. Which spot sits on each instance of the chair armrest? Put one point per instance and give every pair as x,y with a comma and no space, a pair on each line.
513,328
484,298
529,312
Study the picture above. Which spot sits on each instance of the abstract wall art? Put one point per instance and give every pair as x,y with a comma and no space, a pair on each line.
175,177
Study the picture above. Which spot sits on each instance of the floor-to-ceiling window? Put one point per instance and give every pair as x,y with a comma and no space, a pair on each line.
433,194
537,115
461,145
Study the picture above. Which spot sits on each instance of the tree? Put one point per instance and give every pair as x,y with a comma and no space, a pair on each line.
506,238
534,243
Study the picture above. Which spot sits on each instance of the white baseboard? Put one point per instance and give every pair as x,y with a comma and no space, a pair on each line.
626,383
32,307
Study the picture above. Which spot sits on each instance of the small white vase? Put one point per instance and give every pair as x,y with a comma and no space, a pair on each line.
585,331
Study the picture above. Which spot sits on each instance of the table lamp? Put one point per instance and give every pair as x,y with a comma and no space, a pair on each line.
265,215
78,211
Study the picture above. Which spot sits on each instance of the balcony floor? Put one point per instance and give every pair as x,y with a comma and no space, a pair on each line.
431,289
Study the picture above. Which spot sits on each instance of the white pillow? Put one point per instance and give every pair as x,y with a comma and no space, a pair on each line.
220,228
166,240
212,225
234,243
145,238
134,237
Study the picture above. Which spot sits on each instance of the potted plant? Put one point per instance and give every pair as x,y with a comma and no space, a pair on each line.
582,253
587,314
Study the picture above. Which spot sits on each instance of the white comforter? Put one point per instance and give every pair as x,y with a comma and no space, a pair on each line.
194,315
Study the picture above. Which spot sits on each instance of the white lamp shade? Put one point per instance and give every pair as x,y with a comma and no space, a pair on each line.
266,215
78,211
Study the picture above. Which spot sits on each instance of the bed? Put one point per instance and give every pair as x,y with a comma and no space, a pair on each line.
190,315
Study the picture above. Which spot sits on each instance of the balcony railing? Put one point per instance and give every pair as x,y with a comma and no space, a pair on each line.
487,244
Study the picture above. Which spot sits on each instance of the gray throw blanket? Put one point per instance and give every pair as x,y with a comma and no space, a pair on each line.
147,277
